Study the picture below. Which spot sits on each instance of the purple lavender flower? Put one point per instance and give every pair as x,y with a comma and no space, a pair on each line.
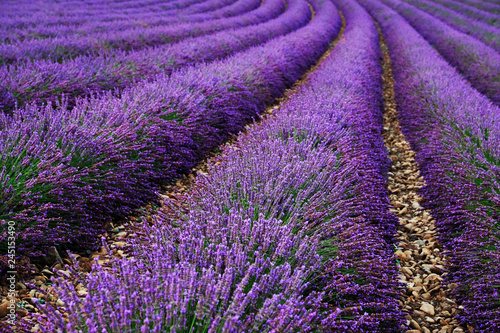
454,130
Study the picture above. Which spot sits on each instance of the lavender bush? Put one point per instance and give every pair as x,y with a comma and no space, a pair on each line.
471,12
43,81
31,14
477,29
106,21
479,63
58,49
67,172
243,256
455,132
486,6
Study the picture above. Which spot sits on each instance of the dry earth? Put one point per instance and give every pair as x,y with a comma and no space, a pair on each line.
422,263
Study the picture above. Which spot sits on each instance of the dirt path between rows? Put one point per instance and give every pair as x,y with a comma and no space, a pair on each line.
422,264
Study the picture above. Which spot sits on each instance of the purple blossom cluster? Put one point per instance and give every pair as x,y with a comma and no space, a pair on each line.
454,130
487,6
485,33
61,48
479,63
289,231
108,22
65,172
471,12
45,81
38,20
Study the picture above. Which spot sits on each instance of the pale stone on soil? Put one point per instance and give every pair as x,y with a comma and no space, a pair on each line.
427,308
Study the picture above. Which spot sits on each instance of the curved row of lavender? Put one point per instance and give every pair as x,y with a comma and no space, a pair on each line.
471,12
199,12
63,17
479,63
43,81
62,13
455,132
68,6
64,173
243,256
486,6
479,30
36,27
58,49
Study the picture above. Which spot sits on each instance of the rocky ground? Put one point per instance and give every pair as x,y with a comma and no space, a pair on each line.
422,263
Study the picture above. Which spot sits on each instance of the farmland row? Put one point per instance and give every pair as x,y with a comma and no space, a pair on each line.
457,143
59,49
44,81
108,23
68,11
309,180
58,17
479,30
487,6
292,228
479,63
66,172
472,12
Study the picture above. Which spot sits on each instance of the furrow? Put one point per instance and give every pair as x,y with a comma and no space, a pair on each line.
420,257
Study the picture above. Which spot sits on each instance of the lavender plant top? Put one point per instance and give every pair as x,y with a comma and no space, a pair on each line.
479,63
244,256
486,6
473,13
477,29
58,49
63,172
19,15
454,130
106,21
44,81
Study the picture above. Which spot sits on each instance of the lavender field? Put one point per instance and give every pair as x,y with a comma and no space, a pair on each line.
250,166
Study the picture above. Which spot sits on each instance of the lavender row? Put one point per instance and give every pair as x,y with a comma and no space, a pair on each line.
479,30
484,5
455,132
365,290
43,81
58,49
63,173
479,63
471,12
142,19
52,10
36,6
16,30
249,239
67,16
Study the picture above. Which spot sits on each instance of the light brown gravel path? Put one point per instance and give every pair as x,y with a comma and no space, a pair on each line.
123,233
422,264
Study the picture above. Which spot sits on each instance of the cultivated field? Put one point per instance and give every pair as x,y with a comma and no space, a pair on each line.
250,166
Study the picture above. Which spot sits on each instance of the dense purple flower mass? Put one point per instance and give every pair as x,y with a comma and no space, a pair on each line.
455,133
61,48
471,26
245,255
102,103
471,12
487,6
18,26
479,63
80,167
42,81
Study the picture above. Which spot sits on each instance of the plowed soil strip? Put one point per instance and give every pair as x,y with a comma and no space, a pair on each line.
118,240
420,256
